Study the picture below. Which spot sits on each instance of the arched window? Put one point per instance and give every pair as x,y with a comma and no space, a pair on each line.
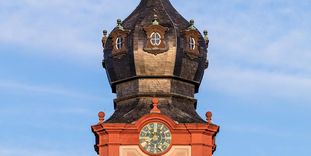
119,42
155,39
191,43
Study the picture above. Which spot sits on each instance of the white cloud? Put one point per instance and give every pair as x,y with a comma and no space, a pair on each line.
267,34
253,32
278,52
259,130
259,49
256,84
17,87
71,28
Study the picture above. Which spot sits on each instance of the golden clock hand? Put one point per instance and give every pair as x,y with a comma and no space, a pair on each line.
159,148
148,139
155,127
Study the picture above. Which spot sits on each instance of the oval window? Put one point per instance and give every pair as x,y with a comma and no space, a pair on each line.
119,42
191,43
155,39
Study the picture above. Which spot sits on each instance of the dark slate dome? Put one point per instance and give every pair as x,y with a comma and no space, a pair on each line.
155,52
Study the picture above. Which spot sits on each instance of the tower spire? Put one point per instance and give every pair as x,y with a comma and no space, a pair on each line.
155,55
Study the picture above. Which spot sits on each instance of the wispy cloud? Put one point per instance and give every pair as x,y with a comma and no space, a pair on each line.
58,27
259,130
258,48
271,35
259,84
7,85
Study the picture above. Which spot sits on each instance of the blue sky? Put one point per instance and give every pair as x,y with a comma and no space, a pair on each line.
52,84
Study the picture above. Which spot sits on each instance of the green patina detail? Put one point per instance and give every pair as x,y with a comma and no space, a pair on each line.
119,25
192,27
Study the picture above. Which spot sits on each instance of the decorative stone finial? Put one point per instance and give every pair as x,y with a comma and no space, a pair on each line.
205,32
192,21
155,20
209,117
101,116
119,24
191,26
105,32
119,21
155,108
104,38
206,63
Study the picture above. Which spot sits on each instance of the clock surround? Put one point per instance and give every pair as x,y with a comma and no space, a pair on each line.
120,139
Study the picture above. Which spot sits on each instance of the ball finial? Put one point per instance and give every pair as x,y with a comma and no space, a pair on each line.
119,21
101,116
155,101
191,26
192,22
155,20
209,117
105,32
119,24
155,108
205,32
104,38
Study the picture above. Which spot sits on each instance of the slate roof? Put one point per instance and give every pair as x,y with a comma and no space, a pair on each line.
121,70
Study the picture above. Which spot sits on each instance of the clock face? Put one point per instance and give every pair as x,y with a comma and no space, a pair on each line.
155,138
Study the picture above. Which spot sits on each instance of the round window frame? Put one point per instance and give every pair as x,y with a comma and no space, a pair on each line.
192,43
155,34
119,45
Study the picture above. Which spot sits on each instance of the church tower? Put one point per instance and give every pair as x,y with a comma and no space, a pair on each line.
155,61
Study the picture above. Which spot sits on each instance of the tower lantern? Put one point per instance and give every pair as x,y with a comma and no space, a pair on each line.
155,61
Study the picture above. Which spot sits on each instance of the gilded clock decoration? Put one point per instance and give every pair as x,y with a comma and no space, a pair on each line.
155,138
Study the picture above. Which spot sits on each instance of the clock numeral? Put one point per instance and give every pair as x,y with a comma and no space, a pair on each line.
164,146
165,129
152,150
168,135
143,144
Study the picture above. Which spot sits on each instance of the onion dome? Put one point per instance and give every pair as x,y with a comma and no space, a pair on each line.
155,52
